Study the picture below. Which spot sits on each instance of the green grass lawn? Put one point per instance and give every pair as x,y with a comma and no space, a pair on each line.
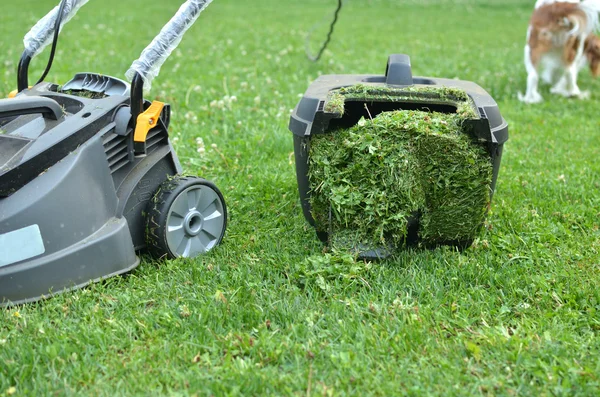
268,311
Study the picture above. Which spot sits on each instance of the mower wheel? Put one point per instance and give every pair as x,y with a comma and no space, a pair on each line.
186,217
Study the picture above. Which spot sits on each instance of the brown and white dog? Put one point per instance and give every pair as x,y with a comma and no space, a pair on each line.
560,41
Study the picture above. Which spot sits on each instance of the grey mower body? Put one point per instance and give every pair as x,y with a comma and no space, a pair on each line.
74,196
88,176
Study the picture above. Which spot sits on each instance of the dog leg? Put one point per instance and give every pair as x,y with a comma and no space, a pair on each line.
571,72
572,89
567,85
532,95
560,88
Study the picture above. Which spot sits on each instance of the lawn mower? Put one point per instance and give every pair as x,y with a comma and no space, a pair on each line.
88,176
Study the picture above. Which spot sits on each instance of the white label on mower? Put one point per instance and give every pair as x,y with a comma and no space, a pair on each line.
21,244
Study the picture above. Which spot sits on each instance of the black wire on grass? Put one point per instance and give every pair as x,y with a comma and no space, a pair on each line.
324,46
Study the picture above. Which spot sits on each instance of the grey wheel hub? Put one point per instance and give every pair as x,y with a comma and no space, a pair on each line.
195,221
192,223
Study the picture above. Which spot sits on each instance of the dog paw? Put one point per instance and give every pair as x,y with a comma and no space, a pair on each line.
576,93
531,97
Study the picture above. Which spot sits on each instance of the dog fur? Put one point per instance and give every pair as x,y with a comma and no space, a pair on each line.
560,42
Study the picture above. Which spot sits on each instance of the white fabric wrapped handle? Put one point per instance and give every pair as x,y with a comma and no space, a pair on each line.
149,63
43,32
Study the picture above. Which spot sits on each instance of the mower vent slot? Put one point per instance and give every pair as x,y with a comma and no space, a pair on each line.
111,143
118,165
153,138
115,159
115,148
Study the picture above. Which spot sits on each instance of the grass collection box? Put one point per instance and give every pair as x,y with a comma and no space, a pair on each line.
416,159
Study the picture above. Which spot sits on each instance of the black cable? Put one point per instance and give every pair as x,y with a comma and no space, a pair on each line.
54,40
335,18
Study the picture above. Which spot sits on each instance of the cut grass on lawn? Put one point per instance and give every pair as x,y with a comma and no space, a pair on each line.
267,312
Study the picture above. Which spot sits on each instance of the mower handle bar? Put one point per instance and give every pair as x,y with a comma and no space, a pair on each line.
23,105
23,72
156,53
142,71
147,66
42,34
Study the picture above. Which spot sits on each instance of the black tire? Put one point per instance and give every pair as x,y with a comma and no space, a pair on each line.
186,217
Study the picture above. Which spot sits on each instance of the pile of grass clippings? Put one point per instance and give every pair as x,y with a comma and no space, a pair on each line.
434,94
86,94
369,181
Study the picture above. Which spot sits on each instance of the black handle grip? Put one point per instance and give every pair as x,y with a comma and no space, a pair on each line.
23,72
49,108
